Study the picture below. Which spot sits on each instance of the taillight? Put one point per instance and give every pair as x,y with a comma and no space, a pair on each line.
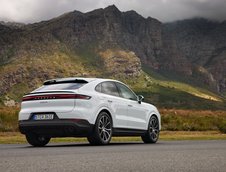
80,96
56,96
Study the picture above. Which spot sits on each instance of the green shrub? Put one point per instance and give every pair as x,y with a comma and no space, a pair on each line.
222,126
172,120
189,120
8,120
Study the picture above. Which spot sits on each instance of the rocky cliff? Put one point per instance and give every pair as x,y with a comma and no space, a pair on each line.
203,44
75,35
110,43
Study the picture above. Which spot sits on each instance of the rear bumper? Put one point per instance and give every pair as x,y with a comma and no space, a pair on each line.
57,128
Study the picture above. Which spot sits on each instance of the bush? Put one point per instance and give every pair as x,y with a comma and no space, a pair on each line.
222,126
8,119
172,120
190,120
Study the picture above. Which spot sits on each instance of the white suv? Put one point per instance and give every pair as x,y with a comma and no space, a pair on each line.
86,107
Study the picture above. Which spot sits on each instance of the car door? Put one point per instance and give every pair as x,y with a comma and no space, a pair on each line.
136,112
110,95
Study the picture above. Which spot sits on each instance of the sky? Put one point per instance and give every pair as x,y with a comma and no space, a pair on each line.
30,11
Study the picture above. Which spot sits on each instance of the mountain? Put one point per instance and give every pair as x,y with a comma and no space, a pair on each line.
179,64
202,44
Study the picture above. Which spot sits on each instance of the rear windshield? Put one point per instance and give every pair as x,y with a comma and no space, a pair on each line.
61,86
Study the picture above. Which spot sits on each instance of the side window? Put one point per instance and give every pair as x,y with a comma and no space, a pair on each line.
98,88
126,92
109,88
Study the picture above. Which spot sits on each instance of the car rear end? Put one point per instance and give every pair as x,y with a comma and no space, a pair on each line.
51,110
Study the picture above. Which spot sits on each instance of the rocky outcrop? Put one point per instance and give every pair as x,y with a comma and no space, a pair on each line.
121,63
120,41
109,28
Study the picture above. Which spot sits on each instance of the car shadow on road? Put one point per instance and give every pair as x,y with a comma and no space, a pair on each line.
54,145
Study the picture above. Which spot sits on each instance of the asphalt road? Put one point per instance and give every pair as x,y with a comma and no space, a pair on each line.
166,156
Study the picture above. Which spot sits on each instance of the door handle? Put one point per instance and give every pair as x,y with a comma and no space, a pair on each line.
110,101
130,105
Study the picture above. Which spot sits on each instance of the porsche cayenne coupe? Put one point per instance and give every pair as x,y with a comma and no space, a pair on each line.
86,107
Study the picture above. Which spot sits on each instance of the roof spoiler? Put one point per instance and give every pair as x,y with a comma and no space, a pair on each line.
54,81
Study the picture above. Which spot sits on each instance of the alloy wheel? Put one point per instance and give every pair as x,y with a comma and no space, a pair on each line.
154,128
105,127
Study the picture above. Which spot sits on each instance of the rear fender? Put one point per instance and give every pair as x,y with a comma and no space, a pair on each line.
98,112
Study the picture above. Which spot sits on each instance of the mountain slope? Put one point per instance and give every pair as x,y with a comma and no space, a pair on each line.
142,52
202,45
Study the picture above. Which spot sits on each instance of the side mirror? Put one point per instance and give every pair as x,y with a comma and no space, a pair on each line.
140,98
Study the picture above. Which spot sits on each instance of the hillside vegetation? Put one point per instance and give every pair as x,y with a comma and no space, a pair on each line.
155,88
170,64
172,120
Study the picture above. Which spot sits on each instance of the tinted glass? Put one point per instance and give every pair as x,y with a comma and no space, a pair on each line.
98,88
109,88
125,92
64,86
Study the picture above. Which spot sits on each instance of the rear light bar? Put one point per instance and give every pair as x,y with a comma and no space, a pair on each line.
56,96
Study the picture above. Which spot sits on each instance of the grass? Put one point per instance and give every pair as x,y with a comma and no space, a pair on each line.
8,119
15,94
176,125
192,120
17,138
47,66
192,135
175,81
173,94
158,89
172,120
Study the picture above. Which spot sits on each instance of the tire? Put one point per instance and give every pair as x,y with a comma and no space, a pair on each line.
152,134
102,131
37,140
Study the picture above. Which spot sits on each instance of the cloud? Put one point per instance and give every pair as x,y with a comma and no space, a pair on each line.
29,11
